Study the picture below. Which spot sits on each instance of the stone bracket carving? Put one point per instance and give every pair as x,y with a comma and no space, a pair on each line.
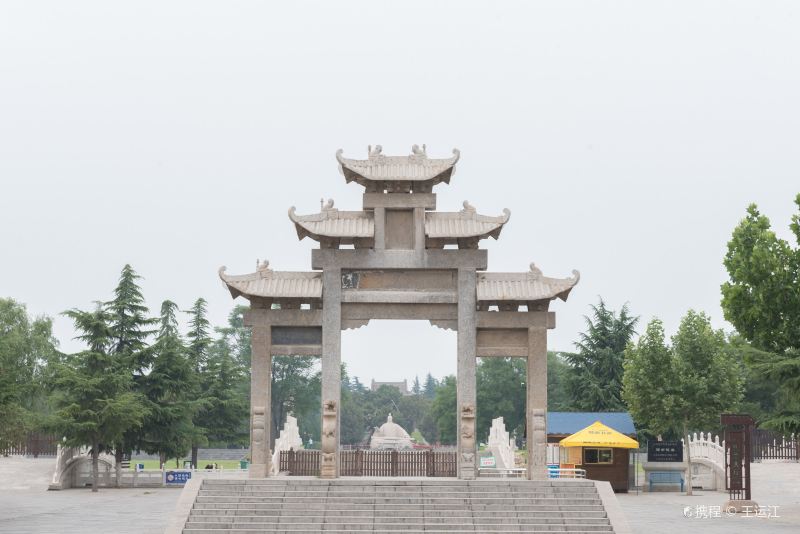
467,434
444,324
329,439
537,451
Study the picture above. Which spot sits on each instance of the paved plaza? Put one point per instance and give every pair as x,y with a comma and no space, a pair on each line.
26,507
774,484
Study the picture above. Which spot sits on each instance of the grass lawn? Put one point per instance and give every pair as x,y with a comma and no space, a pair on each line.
153,464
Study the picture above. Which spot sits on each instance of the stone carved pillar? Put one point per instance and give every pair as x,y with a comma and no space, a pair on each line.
330,441
536,403
260,409
331,369
465,373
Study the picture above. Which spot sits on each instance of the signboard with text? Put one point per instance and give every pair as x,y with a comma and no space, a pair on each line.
488,461
664,451
177,477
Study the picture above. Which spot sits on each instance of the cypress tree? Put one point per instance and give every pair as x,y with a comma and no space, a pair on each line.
95,400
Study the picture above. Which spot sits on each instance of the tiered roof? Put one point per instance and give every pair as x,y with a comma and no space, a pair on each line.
527,288
275,286
332,227
402,176
492,289
398,174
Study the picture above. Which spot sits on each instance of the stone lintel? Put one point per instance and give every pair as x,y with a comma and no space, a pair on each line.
363,311
294,317
511,319
399,259
296,350
502,352
399,297
400,200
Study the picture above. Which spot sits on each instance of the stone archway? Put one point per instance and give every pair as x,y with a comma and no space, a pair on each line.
399,268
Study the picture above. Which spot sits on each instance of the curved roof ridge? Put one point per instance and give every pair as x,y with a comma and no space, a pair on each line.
273,284
526,286
330,222
465,223
416,167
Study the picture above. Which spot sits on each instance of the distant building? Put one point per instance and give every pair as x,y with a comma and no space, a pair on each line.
402,386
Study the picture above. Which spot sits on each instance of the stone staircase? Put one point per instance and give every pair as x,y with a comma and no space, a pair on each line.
295,504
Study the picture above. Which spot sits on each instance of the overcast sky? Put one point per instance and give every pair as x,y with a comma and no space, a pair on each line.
626,138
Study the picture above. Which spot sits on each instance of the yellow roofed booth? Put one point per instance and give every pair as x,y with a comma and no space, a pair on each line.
599,435
602,452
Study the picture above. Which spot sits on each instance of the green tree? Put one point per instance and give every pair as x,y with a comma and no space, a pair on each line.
429,389
96,402
225,411
416,389
168,428
198,349
683,387
295,391
501,391
558,398
444,410
762,300
595,380
26,348
129,328
129,323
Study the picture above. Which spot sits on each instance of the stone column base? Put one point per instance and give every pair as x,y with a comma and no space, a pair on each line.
257,471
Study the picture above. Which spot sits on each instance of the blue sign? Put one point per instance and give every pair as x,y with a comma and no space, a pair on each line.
552,470
178,477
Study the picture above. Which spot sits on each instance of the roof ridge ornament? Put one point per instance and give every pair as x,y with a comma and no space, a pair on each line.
419,153
468,208
371,154
263,266
535,272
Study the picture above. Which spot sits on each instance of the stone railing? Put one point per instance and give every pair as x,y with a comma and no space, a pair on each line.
703,447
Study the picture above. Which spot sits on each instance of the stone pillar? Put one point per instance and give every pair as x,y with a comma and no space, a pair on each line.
536,403
380,228
331,370
260,395
465,373
419,230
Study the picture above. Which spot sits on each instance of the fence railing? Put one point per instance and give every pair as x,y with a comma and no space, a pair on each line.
565,472
377,463
768,445
35,445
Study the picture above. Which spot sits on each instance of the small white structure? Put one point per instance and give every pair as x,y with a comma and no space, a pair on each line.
288,440
390,436
501,444
708,461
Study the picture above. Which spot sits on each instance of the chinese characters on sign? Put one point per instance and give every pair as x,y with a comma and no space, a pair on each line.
664,451
178,477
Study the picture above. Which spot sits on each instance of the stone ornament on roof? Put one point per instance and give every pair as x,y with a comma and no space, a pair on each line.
274,285
446,228
333,227
398,174
533,286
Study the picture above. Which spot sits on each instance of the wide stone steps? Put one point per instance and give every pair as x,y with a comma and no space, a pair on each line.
392,505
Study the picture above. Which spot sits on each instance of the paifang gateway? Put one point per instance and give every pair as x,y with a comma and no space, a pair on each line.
399,258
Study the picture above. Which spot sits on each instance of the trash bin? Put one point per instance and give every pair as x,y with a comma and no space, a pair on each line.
242,464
